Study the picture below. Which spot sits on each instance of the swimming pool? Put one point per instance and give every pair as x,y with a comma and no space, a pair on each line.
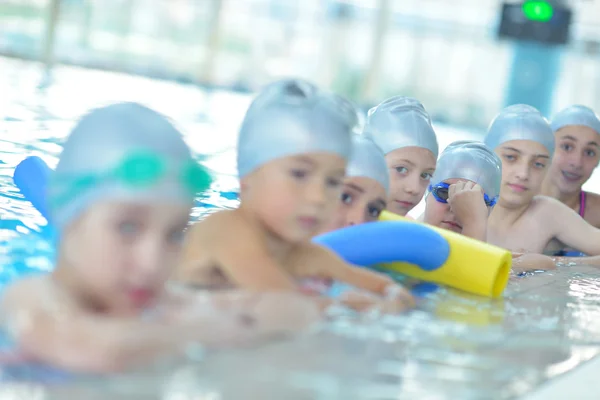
454,346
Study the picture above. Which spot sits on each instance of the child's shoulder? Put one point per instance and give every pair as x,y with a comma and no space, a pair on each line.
26,292
219,221
552,211
545,204
224,227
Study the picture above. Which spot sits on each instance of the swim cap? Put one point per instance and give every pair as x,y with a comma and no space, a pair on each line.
401,122
576,115
292,117
520,122
368,161
123,151
470,160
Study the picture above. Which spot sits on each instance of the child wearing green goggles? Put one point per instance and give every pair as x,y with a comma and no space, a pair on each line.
120,198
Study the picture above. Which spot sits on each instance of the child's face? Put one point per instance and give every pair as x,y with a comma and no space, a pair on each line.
362,200
295,197
411,169
122,253
524,167
440,214
576,155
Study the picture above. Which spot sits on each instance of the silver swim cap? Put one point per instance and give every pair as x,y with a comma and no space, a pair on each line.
470,160
520,122
401,122
368,161
576,115
292,117
123,151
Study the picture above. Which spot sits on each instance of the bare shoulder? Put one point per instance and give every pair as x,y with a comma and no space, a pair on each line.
221,225
27,296
548,207
22,292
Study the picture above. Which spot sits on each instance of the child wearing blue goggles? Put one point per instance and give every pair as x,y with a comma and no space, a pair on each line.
464,188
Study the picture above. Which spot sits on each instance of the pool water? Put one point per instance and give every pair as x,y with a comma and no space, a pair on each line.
454,346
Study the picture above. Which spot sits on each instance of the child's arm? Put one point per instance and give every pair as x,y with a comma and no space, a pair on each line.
532,262
593,261
75,340
322,262
238,250
572,230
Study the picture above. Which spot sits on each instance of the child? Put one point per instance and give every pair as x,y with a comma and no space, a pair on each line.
366,185
292,152
401,127
120,199
577,133
463,192
464,189
523,221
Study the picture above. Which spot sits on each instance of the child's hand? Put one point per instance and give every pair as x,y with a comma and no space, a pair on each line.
468,205
285,312
396,300
466,200
359,301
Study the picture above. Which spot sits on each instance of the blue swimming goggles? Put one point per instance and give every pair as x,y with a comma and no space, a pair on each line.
440,193
138,170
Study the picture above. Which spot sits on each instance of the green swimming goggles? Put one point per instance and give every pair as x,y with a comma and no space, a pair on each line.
138,170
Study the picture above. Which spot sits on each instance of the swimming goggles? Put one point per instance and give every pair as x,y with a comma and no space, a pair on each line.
440,193
138,170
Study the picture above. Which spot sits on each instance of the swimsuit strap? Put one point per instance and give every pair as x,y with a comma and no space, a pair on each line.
582,203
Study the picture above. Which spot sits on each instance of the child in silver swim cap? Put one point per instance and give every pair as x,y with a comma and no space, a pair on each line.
121,197
366,185
464,189
577,134
463,192
293,148
523,220
401,127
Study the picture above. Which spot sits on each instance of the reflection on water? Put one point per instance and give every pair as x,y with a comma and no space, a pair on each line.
454,346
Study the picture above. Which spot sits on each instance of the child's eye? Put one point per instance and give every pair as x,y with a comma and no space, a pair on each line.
509,157
402,170
540,165
590,153
129,228
374,212
426,176
334,182
566,147
346,198
299,173
176,236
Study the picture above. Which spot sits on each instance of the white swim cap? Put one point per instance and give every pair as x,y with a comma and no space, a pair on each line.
401,122
124,151
520,122
473,161
292,117
368,161
576,115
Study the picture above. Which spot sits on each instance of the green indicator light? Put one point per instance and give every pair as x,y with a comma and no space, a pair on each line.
539,11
